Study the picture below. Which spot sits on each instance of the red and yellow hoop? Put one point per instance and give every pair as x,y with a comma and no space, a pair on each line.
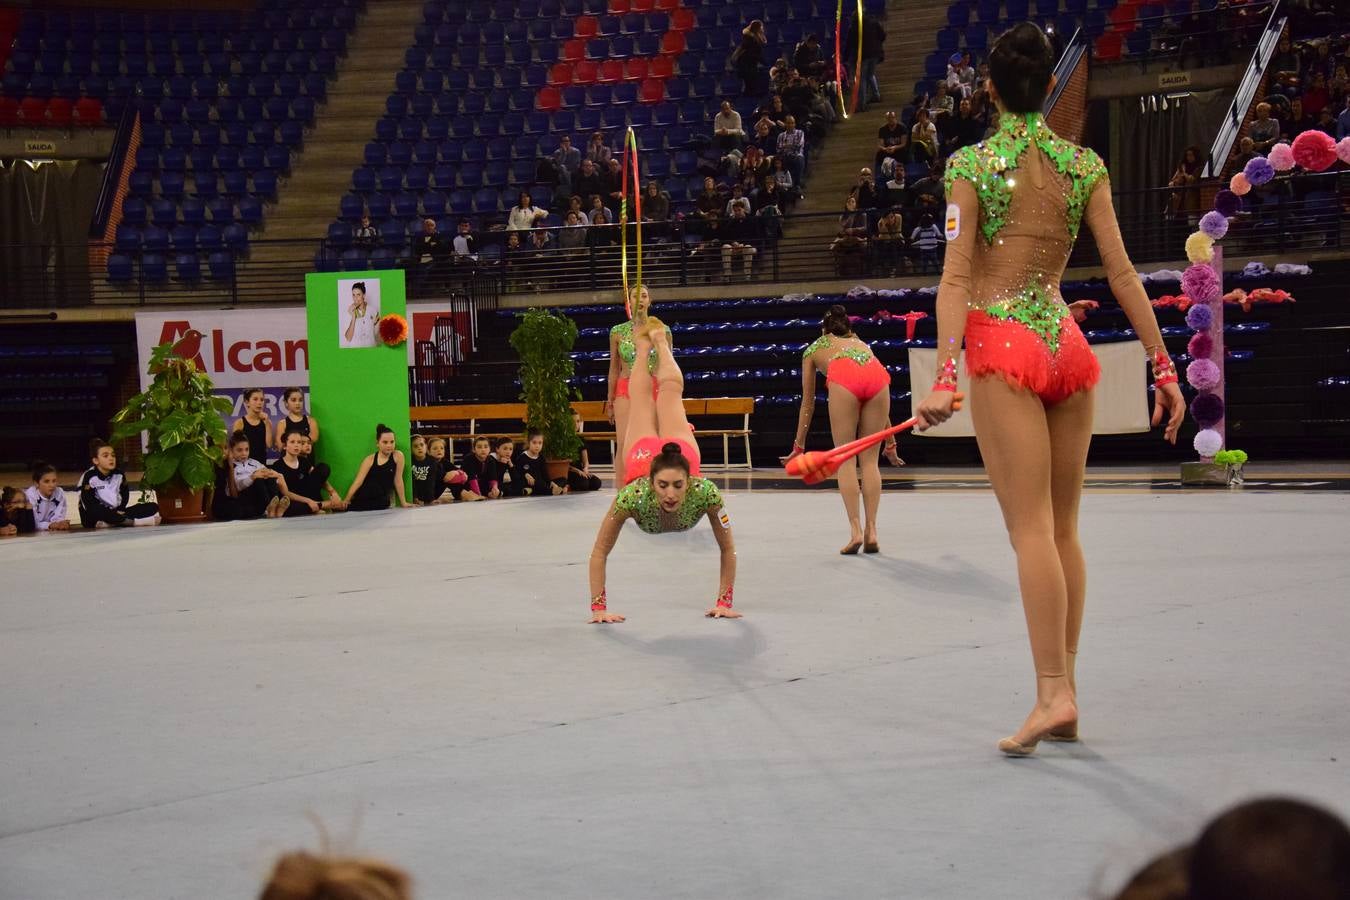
630,163
852,106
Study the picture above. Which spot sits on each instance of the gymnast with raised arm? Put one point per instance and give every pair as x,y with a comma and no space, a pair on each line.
664,491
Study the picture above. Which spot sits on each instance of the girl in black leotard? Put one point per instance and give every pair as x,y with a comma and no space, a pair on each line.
255,425
381,472
305,479
295,419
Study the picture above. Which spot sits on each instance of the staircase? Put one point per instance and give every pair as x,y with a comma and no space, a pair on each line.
308,201
911,34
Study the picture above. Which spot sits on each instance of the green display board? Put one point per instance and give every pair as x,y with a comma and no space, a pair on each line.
355,381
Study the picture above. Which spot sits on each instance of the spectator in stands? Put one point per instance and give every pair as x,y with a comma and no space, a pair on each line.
890,243
1326,123
780,73
738,200
941,103
709,201
748,58
765,137
738,240
769,205
1264,130
465,245
865,191
655,205
1285,59
807,57
1246,153
1320,62
928,192
850,243
960,75
787,186
1299,120
893,192
923,137
1343,121
754,165
792,148
892,140
598,152
589,182
366,235
566,160
47,500
525,215
254,424
704,253
245,488
774,111
380,474
1315,96
961,130
614,186
597,209
599,234
927,237
727,127
431,250
573,233
1185,202
873,53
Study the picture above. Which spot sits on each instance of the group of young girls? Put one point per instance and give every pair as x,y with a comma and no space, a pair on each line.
105,499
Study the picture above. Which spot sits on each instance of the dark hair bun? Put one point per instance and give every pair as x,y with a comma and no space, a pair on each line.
1020,65
835,321
671,447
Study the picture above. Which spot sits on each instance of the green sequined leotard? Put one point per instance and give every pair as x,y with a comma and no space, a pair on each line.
642,505
628,348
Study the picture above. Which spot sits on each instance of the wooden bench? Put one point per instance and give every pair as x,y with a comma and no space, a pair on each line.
477,416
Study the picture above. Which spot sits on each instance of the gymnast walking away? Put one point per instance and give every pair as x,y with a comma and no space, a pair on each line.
664,491
1016,202
858,388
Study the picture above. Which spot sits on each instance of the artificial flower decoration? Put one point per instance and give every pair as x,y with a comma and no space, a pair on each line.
1200,247
1258,171
1208,442
1201,283
1214,225
1281,157
393,329
1315,150
1343,150
1207,410
1199,318
1239,184
1228,204
1200,346
1203,375
1231,457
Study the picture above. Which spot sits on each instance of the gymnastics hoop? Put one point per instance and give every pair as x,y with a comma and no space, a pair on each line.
630,159
851,107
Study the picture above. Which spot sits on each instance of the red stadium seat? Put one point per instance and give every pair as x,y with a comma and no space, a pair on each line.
673,43
1123,18
33,111
668,6
653,91
549,99
635,69
560,74
611,71
682,19
9,112
88,112
60,111
586,27
1109,46
642,6
662,67
586,72
618,7
574,50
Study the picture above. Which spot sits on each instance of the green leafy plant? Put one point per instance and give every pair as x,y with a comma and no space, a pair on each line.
544,341
182,419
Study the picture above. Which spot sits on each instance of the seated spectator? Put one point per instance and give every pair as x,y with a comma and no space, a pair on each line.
710,245
597,152
737,240
579,477
865,191
1264,130
525,215
47,500
428,479
1326,123
566,160
961,130
573,233
381,473
1271,848
926,238
532,470
738,199
941,103
576,205
769,206
928,192
754,164
710,200
850,243
454,477
1300,119
294,419
765,138
465,244
597,209
430,250
600,234
1343,121
890,242
792,148
500,466
304,876
1315,95
614,186
104,493
304,479
1246,153
787,186
807,57
960,75
1186,202
1285,59
655,204
366,235
923,137
893,192
892,141
245,488
16,515
589,182
727,128
779,74
773,110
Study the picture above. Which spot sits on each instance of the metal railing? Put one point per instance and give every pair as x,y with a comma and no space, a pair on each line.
1292,214
1216,36
1247,88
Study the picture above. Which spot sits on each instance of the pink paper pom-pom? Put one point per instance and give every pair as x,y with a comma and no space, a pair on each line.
1343,150
1281,156
1201,283
1315,150
1239,184
1203,374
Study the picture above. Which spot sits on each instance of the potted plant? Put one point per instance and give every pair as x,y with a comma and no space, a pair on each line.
185,434
544,341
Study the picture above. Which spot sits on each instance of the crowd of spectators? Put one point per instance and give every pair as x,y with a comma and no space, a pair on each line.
1310,91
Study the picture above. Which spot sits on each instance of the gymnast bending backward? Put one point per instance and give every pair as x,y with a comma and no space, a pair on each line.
1015,203
664,491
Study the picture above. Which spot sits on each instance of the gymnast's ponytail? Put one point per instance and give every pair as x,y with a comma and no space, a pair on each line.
671,457
1020,65
835,322
305,876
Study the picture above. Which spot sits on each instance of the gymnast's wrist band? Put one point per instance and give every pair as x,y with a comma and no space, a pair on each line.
946,380
724,601
1164,370
598,602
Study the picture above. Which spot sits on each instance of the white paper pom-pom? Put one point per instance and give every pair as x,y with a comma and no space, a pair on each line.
1207,443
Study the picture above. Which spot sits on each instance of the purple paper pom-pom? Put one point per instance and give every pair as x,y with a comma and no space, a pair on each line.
1259,171
1227,204
1203,375
1201,283
1199,317
1207,410
1214,225
1201,345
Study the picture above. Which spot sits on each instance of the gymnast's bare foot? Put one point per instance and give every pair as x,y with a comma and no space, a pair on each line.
1055,710
855,541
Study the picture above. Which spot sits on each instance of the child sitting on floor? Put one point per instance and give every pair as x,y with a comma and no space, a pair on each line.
481,470
533,470
16,517
245,488
104,493
454,477
503,468
47,500
428,482
305,480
